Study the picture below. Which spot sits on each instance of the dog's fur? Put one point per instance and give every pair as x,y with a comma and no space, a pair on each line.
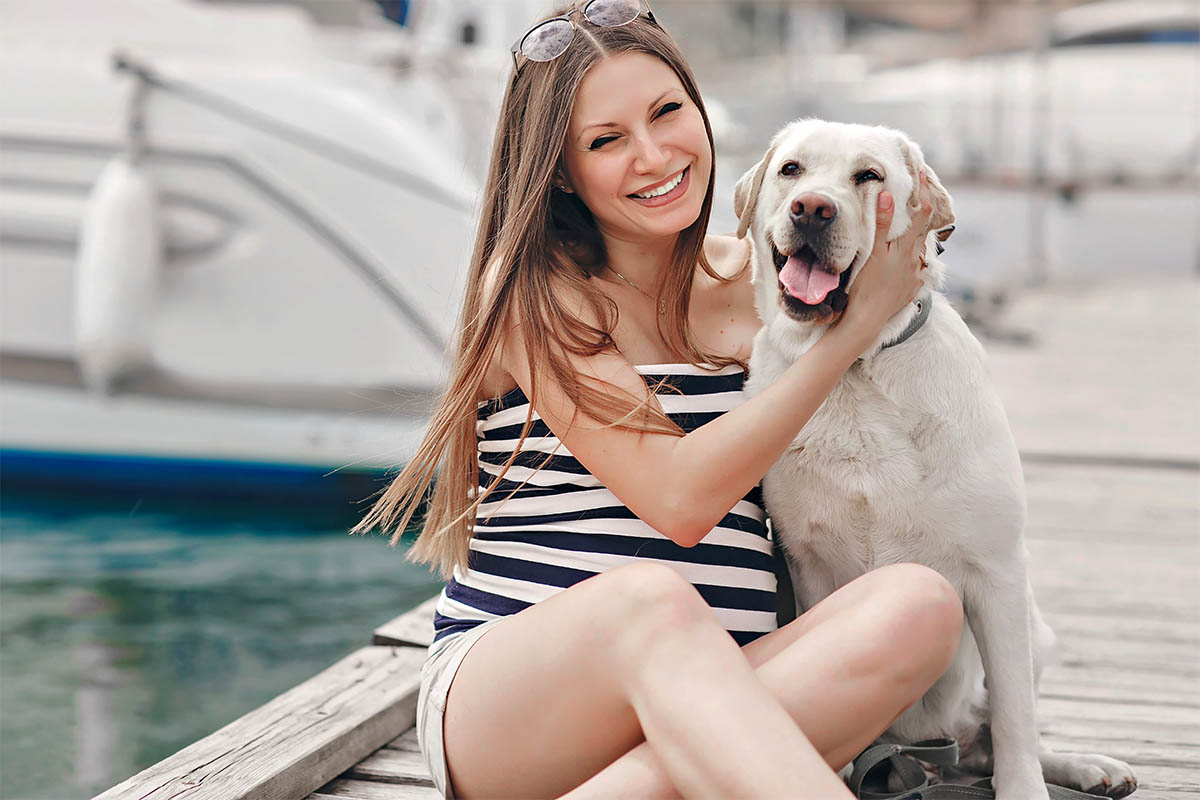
910,458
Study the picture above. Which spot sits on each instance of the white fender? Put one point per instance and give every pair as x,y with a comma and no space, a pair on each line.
116,274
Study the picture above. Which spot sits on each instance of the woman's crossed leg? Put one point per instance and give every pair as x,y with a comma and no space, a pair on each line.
627,684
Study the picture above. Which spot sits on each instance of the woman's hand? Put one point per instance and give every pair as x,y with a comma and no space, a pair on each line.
891,278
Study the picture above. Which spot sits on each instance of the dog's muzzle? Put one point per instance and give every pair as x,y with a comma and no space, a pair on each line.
809,289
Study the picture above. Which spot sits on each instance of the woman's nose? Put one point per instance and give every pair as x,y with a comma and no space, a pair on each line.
652,157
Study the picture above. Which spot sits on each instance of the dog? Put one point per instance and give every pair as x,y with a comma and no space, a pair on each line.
910,458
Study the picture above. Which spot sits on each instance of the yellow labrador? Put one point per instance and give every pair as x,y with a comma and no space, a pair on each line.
910,458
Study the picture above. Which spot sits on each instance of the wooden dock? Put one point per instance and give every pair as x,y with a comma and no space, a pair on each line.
1114,540
1115,553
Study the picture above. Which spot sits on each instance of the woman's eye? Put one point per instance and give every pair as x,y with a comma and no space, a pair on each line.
867,175
790,168
603,140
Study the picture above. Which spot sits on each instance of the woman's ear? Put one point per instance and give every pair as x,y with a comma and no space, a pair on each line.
562,184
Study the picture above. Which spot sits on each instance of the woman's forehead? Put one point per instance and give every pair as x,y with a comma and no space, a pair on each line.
619,87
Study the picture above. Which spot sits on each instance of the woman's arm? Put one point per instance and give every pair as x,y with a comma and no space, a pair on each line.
683,486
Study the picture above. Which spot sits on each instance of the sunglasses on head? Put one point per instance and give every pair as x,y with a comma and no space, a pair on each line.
548,40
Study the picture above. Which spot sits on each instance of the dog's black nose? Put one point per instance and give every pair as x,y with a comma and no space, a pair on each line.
813,211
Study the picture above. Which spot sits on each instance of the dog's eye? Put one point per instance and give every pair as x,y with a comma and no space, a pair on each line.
790,168
867,175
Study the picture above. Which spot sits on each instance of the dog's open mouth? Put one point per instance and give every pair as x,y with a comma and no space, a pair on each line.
810,289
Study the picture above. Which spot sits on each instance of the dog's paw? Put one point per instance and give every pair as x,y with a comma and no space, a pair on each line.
1089,772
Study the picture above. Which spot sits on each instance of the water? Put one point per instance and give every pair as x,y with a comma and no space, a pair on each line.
130,630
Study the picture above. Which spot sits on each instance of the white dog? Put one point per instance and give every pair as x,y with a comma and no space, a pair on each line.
910,458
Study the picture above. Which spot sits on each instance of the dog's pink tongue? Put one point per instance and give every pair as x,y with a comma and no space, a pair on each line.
805,283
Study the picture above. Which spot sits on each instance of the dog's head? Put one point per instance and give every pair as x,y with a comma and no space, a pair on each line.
810,206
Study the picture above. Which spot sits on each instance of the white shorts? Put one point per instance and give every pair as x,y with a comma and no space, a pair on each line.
437,673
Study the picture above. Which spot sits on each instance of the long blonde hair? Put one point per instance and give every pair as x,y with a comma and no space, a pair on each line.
535,235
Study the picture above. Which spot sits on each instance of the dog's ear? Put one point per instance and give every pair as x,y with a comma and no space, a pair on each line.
943,206
745,192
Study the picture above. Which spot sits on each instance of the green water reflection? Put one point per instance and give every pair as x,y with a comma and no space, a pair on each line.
126,633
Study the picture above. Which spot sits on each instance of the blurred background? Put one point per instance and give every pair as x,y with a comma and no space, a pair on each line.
232,241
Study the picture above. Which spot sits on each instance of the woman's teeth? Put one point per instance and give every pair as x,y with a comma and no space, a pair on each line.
666,187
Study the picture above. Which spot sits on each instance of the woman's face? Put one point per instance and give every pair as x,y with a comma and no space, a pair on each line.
634,131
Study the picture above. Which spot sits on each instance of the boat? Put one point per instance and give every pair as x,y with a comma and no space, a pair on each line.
233,246
1112,93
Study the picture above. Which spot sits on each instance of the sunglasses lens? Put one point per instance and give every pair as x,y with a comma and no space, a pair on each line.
612,13
548,40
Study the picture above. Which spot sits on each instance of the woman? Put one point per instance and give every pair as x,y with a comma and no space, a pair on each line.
613,633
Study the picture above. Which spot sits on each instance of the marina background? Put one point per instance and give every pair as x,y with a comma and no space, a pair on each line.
177,483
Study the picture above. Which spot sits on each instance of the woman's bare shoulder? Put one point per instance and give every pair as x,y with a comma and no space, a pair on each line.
726,253
498,378
730,258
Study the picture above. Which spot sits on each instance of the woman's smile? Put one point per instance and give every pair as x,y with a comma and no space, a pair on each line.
676,186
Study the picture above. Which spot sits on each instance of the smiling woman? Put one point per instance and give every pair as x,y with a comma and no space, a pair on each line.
650,158
610,597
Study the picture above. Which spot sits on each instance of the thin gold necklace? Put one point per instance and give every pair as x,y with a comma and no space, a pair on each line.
662,304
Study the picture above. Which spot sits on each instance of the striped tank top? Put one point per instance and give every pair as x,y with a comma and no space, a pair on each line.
563,525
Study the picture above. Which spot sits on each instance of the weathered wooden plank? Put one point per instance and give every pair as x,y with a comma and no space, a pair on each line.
1105,490
392,766
1126,715
1175,546
348,789
1176,659
411,629
1068,727
1135,750
1070,600
1152,527
1088,680
1102,693
298,741
1079,649
1173,534
406,741
1155,656
1089,505
1117,627
1160,793
1102,568
1158,672
1156,586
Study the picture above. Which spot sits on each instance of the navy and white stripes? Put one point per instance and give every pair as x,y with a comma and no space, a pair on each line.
563,525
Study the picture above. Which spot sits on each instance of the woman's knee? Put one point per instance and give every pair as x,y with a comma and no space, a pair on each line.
927,614
649,601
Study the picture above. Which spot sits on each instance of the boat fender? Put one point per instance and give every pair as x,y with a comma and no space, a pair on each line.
117,272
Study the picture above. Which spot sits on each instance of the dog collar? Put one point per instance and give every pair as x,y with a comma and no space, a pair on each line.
924,304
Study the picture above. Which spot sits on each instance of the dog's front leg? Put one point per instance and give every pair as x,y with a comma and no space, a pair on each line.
997,607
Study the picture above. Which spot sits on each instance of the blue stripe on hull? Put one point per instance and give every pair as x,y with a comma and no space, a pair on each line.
187,476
